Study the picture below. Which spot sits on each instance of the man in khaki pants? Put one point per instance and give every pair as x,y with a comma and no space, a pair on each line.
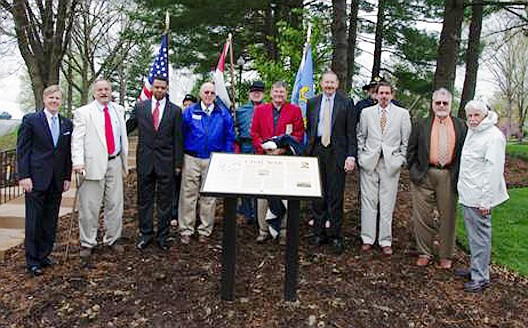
433,158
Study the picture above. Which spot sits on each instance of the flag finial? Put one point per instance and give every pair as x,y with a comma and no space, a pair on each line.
167,21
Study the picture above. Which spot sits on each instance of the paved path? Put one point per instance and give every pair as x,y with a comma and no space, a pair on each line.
12,213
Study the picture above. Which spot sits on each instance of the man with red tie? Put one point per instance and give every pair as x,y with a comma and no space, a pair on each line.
159,158
99,153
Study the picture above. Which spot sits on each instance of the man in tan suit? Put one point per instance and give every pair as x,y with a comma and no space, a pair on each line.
99,152
383,133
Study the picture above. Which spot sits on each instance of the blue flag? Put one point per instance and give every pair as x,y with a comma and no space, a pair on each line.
303,88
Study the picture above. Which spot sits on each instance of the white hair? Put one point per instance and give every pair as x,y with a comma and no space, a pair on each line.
478,106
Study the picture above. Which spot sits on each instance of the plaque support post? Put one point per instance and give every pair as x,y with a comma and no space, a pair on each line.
229,250
292,249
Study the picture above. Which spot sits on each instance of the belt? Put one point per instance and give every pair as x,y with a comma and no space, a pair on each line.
114,156
439,167
190,153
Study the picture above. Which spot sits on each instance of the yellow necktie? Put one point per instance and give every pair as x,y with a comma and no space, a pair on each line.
327,123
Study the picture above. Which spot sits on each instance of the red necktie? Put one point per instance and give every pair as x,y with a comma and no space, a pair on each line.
109,132
155,116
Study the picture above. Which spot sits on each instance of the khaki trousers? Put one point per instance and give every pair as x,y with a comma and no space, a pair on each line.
91,195
193,177
436,190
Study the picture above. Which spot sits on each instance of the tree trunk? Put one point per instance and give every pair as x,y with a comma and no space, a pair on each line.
270,31
378,38
42,38
339,29
352,36
472,56
449,45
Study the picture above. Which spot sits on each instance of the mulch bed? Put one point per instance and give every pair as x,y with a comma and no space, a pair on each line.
180,288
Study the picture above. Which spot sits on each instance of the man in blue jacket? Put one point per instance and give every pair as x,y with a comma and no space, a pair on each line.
207,127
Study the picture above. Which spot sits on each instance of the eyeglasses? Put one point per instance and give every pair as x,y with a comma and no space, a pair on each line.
443,103
209,92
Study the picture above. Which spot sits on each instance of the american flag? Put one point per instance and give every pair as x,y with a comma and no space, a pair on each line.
160,67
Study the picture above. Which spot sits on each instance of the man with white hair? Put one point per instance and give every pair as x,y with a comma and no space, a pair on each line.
433,159
481,187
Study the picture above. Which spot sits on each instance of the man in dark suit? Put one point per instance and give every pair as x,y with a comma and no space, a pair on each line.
433,159
44,172
159,157
331,130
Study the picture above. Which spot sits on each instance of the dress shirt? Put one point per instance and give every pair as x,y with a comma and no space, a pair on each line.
116,127
320,125
48,118
162,103
433,142
207,109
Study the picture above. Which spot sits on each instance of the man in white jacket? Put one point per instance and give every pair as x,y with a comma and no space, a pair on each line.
481,187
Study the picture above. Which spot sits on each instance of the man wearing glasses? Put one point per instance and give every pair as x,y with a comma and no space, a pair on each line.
207,127
433,159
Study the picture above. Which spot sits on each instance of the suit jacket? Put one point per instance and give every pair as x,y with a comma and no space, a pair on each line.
89,142
393,143
161,150
262,126
38,158
419,146
343,133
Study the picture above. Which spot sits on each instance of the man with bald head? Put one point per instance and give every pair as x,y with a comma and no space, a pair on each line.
99,152
207,127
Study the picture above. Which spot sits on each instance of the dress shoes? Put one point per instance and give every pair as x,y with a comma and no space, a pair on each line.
262,238
185,239
35,271
85,252
386,251
317,241
444,264
476,286
366,247
117,248
47,262
143,243
163,245
463,274
423,261
338,246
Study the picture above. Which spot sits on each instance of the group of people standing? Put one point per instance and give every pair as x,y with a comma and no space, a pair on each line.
174,147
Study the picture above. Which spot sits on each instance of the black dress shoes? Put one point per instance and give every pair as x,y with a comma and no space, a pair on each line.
317,241
35,270
476,286
338,246
143,243
163,245
47,262
463,274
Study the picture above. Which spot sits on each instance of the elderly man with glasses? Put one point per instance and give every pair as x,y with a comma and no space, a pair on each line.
433,159
207,127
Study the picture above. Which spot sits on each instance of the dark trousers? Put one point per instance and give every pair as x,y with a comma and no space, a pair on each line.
330,207
42,212
149,186
176,196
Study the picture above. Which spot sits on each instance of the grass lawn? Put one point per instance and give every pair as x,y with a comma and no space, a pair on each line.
517,150
509,232
8,141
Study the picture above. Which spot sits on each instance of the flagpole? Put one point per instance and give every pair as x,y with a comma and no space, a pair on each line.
167,21
231,61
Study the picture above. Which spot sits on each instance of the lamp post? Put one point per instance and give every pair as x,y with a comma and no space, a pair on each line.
240,62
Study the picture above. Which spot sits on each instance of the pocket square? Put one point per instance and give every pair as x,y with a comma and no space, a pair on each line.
66,133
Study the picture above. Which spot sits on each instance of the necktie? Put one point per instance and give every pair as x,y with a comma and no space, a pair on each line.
109,132
442,145
327,123
54,130
383,120
155,116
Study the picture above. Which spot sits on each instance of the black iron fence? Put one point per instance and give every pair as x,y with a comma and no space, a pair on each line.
8,184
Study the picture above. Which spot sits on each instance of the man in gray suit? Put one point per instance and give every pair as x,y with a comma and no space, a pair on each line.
99,152
383,133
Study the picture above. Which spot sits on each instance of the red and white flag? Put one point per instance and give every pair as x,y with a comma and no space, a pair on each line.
220,87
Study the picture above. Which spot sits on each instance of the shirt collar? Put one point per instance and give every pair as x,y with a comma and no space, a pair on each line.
387,109
161,102
204,108
101,106
49,115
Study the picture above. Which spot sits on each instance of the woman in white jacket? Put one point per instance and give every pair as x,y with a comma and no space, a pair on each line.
481,187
